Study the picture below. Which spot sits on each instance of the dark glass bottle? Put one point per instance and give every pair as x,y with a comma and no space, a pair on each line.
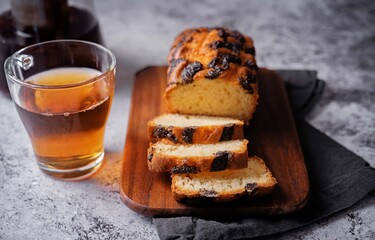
32,21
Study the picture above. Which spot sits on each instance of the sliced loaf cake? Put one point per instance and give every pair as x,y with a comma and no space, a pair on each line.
193,158
192,129
255,180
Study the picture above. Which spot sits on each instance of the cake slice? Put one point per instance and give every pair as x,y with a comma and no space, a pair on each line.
192,129
193,158
255,180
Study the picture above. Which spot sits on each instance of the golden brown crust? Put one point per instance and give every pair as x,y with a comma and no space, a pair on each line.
195,135
221,53
216,59
158,162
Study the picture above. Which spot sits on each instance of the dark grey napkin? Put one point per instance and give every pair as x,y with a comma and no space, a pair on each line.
338,178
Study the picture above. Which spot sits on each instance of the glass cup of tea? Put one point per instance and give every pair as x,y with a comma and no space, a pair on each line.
63,92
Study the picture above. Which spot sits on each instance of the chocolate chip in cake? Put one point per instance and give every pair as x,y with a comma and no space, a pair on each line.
149,156
251,188
227,133
159,132
221,160
171,136
189,71
218,65
250,77
238,36
162,132
173,64
250,51
234,47
222,33
231,58
224,64
208,193
246,81
184,169
217,44
214,62
187,134
213,73
251,65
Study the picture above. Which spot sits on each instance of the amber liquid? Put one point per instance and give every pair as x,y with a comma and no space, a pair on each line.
66,128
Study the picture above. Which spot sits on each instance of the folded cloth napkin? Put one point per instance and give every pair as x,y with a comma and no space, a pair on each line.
338,178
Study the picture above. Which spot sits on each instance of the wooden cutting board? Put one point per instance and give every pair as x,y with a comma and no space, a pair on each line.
272,135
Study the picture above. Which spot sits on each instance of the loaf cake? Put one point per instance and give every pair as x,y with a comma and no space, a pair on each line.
193,158
212,71
224,186
193,129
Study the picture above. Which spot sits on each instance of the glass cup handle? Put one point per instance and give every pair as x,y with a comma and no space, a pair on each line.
25,61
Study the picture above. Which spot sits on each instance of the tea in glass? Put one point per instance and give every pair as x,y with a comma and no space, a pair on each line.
65,110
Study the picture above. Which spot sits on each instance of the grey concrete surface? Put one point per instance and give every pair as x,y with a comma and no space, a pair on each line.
337,38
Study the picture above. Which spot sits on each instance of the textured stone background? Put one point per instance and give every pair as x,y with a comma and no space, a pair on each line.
337,38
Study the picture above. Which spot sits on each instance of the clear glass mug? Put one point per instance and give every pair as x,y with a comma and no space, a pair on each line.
63,92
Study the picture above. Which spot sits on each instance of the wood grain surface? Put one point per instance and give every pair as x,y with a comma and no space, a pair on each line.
272,135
